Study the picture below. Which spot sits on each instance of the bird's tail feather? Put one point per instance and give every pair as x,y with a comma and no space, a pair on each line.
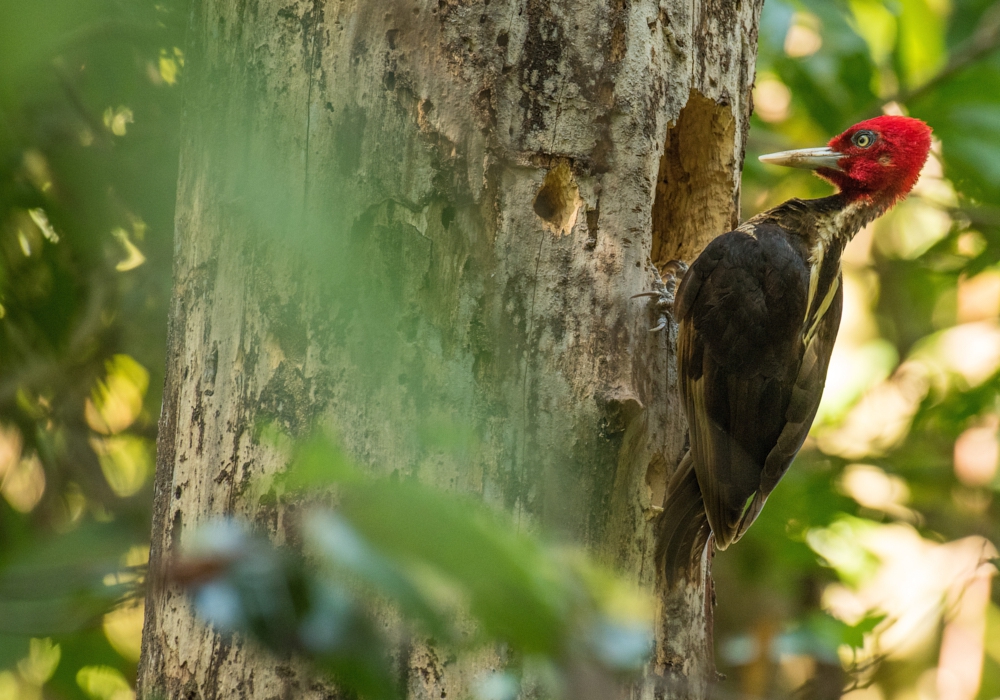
682,528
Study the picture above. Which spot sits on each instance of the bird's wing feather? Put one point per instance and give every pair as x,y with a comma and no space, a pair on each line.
741,307
806,395
727,471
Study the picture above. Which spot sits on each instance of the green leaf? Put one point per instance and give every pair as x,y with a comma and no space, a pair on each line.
921,42
337,543
513,588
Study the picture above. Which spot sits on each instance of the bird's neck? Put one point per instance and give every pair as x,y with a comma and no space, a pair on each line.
828,224
838,219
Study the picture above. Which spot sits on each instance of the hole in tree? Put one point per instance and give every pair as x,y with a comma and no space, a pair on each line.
656,480
558,200
695,193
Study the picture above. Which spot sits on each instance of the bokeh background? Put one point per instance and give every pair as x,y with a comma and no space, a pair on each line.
870,567
882,529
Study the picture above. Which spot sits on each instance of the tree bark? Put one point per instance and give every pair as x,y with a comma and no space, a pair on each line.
401,215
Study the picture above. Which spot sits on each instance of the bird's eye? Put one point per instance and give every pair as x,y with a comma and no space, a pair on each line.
863,139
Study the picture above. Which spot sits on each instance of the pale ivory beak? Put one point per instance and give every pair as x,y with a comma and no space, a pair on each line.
807,158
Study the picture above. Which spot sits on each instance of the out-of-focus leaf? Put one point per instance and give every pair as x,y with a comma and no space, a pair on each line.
840,546
79,559
319,464
921,41
12,648
341,548
622,646
964,113
498,686
405,544
52,616
32,32
269,593
821,635
64,584
876,23
513,589
103,683
41,662
87,647
854,635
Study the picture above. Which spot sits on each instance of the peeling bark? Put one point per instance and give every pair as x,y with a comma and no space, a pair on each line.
502,177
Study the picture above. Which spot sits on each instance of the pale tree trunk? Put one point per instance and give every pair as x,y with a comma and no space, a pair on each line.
499,177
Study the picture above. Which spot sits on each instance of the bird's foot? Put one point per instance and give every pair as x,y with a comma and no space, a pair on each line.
665,293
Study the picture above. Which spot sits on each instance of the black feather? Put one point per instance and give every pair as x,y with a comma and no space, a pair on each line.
753,354
682,528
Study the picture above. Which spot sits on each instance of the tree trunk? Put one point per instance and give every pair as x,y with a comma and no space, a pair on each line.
409,218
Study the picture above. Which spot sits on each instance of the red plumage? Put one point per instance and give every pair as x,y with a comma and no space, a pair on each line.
886,171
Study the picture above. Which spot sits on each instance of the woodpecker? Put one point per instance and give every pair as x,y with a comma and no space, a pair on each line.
759,312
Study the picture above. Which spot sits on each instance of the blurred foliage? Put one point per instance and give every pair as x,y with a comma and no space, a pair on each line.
459,572
886,520
864,569
89,112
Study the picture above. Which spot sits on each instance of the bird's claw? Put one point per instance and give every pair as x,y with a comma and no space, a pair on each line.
665,292
674,271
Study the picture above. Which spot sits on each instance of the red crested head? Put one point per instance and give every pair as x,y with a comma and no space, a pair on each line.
882,158
878,160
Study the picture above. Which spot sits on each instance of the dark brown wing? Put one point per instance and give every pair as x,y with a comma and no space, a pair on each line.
682,528
806,395
741,308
